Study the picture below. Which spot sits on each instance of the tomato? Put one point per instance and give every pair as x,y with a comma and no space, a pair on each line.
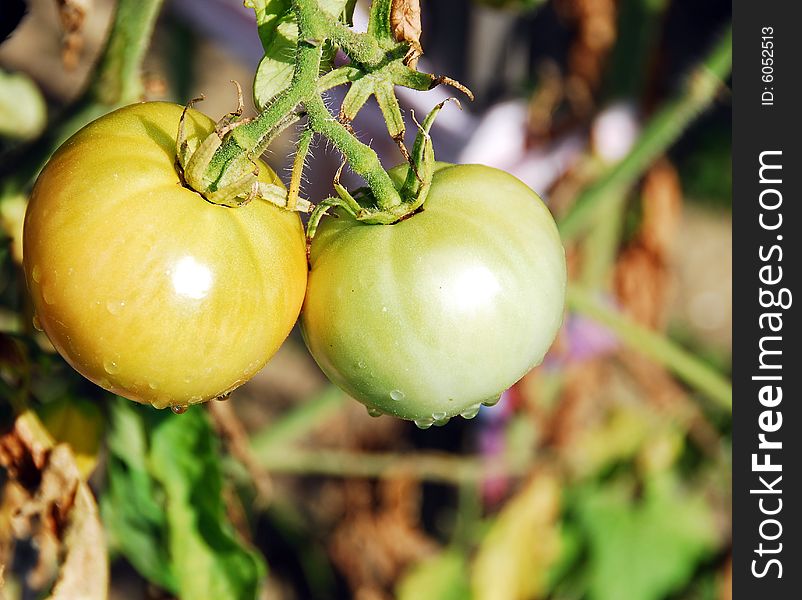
428,318
143,286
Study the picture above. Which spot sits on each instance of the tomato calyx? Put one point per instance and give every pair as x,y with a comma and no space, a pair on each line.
413,190
238,183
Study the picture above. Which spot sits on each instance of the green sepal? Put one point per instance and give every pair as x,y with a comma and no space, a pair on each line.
339,76
355,99
419,177
388,103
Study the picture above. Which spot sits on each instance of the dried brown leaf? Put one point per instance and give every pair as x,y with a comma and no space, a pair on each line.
84,573
373,547
72,14
406,25
46,501
643,274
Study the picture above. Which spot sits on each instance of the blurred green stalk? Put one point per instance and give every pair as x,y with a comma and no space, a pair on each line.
442,468
115,82
662,130
683,364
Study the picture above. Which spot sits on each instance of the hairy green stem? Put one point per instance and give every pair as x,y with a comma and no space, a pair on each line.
685,365
314,25
662,130
117,77
361,157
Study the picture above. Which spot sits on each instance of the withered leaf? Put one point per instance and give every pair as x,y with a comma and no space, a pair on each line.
406,25
72,14
44,500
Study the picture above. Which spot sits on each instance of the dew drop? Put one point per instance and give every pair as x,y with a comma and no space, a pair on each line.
152,385
491,401
423,423
195,399
397,395
470,412
36,273
114,307
37,324
440,418
111,367
223,397
361,364
375,412
105,384
178,409
47,294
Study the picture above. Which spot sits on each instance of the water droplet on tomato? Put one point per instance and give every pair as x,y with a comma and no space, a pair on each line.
36,273
37,324
178,409
397,395
152,385
111,367
375,412
440,418
224,396
114,307
470,412
47,294
491,401
195,399
423,423
361,364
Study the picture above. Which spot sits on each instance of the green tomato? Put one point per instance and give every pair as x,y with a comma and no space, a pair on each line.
142,285
432,316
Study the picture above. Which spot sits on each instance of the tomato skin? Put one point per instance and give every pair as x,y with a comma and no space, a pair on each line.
429,317
143,286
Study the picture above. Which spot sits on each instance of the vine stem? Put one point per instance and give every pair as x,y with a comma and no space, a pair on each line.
655,346
314,26
661,132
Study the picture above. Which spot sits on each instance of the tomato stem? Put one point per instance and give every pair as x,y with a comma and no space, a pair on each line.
249,140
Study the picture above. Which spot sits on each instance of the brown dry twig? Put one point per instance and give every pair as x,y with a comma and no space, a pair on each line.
233,433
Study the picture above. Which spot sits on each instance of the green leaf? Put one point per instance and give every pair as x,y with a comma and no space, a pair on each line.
444,577
275,71
647,549
207,559
164,509
131,508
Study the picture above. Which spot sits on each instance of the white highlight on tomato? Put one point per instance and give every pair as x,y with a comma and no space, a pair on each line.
475,287
191,278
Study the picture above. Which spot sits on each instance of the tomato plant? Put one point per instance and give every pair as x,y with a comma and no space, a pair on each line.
142,285
428,318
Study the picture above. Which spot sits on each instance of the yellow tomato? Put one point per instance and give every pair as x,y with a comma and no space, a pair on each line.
142,285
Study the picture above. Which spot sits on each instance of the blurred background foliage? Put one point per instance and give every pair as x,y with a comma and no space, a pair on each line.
604,474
